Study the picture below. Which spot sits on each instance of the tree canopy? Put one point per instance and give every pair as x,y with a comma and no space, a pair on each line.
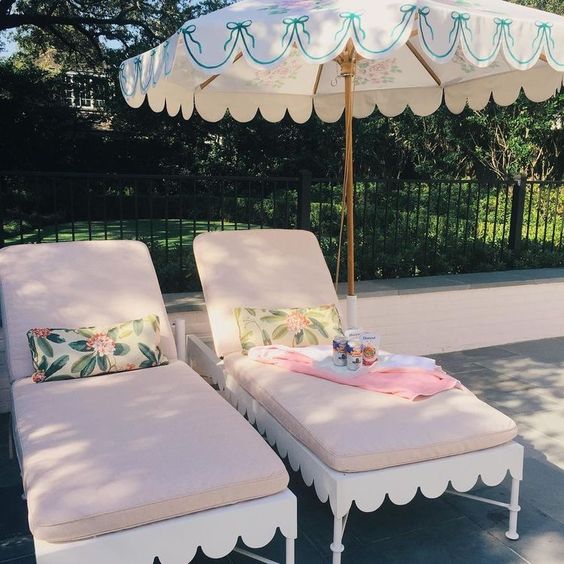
55,36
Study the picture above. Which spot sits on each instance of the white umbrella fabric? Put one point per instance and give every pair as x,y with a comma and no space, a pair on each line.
300,56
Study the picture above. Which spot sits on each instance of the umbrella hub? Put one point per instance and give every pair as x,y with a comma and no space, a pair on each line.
347,61
348,68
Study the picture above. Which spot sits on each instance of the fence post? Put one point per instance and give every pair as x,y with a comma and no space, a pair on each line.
304,200
517,210
3,193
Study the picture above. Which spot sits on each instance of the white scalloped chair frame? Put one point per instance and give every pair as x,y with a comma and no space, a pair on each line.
369,489
176,541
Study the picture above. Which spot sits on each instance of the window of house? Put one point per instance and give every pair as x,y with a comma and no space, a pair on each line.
84,91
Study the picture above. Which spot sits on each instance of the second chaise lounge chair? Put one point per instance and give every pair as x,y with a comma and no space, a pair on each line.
352,445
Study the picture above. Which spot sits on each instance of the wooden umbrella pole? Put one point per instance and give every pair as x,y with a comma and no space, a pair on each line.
347,62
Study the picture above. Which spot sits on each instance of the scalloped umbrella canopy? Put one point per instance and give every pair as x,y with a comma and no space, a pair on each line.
300,56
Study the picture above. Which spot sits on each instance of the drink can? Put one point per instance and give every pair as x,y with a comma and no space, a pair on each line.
354,354
339,350
353,334
370,345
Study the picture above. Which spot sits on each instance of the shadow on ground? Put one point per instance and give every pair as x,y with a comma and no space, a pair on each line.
523,380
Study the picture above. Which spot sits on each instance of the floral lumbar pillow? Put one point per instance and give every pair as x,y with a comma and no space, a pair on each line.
293,327
62,354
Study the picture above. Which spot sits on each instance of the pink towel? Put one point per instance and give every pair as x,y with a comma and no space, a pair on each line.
407,382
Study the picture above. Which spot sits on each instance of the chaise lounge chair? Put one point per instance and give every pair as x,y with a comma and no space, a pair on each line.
126,467
352,445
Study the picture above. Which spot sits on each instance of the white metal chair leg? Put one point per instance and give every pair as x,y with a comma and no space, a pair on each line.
338,530
180,338
514,509
10,438
290,555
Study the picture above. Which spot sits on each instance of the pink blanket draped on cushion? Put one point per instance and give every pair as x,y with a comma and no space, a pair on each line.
407,382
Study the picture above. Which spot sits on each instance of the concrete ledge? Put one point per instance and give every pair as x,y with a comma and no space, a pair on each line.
194,301
439,313
189,301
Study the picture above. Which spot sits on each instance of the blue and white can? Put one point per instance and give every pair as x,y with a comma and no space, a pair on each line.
354,354
339,350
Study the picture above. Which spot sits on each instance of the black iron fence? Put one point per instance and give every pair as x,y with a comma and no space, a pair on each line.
404,228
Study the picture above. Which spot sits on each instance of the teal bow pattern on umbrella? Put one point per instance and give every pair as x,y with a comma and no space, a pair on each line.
460,24
296,25
153,72
351,20
320,32
503,29
239,30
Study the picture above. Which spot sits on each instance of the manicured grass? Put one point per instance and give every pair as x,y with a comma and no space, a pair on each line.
157,230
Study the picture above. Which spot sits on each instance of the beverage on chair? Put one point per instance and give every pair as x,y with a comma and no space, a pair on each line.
339,350
353,334
370,345
354,354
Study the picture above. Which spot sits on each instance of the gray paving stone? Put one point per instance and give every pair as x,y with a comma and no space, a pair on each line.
393,520
545,350
17,549
512,395
543,378
456,363
546,421
13,515
458,541
543,487
525,380
488,353
541,447
20,560
542,537
9,473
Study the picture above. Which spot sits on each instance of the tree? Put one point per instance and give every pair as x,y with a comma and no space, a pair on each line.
84,29
496,141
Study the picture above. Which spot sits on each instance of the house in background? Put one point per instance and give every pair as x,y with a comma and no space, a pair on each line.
86,91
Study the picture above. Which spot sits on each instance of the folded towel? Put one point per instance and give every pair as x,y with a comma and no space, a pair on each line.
405,376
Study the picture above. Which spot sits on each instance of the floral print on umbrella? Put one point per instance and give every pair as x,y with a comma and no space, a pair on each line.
377,73
276,78
467,67
295,6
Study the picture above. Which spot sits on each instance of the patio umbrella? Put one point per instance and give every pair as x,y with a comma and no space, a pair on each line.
329,56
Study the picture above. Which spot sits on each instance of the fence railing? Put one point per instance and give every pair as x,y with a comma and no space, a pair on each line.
403,227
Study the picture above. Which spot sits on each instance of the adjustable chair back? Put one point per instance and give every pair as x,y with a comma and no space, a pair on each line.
269,268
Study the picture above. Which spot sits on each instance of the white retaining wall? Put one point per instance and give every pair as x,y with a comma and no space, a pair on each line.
433,322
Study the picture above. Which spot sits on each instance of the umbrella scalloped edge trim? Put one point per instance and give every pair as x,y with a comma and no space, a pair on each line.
146,70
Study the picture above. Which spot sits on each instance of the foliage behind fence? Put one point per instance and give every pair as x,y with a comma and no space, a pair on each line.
404,228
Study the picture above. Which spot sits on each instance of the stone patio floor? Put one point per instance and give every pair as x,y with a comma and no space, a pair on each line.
524,380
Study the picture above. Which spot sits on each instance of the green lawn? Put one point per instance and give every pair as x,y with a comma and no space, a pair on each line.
156,229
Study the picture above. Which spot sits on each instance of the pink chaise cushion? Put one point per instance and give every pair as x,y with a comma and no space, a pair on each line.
121,450
354,430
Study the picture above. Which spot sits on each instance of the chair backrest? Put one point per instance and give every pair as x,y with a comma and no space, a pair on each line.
75,285
261,268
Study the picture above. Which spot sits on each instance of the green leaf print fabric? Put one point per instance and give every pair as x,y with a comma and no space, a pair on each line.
293,327
63,354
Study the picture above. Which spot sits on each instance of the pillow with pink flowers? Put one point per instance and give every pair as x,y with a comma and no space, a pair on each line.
293,327
63,354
